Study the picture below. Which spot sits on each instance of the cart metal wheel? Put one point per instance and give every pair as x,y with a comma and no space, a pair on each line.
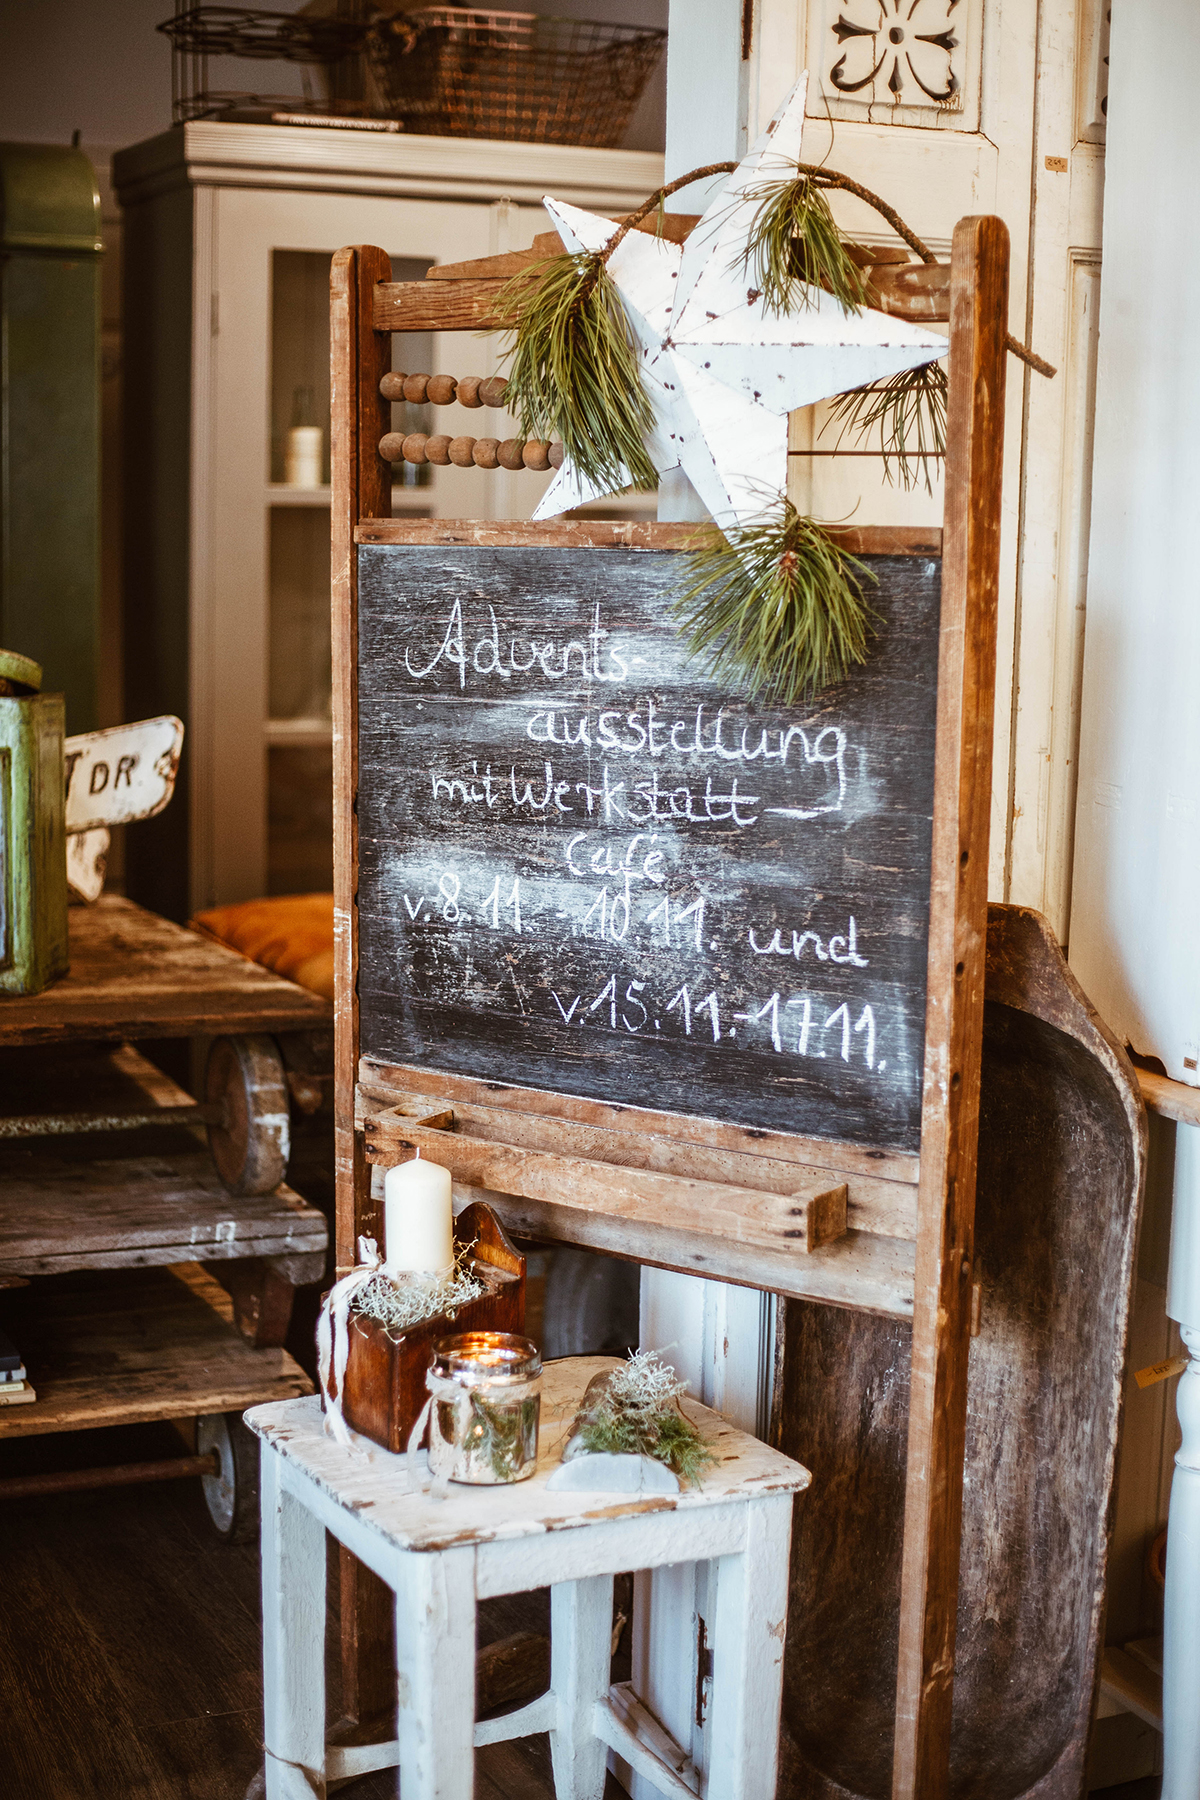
232,1496
246,1081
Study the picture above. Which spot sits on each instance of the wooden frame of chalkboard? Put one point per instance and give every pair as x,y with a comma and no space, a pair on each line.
847,1187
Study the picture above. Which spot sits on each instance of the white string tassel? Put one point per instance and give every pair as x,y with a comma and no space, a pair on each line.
333,1341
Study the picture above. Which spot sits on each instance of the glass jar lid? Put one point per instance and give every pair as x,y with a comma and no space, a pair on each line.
474,1357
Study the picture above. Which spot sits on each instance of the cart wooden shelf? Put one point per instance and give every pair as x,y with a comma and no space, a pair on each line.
168,1296
143,1345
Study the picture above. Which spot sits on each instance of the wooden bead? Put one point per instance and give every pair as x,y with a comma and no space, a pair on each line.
462,452
536,455
437,450
468,391
391,447
414,447
492,391
485,453
556,456
509,454
392,386
415,388
441,389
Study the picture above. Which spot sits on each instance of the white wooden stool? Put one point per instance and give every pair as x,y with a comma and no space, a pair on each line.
441,1556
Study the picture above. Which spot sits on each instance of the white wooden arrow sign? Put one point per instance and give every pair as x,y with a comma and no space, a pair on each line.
125,773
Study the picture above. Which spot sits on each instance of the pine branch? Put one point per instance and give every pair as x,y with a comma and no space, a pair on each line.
778,605
909,412
574,372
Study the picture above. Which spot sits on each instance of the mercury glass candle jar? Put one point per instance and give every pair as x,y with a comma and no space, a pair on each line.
483,1427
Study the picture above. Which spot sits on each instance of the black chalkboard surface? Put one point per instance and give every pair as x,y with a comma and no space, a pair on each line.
585,866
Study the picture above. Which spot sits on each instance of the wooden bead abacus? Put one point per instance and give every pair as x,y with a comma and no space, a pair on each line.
464,452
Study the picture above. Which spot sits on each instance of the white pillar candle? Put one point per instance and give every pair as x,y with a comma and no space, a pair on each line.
304,456
418,1218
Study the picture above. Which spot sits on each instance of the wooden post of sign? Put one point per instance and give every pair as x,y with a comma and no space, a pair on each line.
954,1010
359,356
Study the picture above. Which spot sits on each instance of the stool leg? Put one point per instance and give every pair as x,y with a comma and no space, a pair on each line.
752,1601
293,1589
435,1663
580,1660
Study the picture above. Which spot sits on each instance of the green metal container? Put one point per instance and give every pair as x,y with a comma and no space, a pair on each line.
33,840
50,416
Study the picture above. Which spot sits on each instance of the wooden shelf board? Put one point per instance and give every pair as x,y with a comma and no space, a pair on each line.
147,1344
1170,1099
62,1212
135,975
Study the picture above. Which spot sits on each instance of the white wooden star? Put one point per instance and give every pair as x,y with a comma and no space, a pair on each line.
721,371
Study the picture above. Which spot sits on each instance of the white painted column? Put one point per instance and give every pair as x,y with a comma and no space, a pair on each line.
1137,827
1181,1619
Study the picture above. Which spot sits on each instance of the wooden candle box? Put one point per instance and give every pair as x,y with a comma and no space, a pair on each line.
384,1389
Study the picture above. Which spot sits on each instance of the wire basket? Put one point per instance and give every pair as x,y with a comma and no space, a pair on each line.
456,71
331,43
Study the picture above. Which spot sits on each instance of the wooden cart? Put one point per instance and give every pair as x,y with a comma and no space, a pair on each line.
145,1289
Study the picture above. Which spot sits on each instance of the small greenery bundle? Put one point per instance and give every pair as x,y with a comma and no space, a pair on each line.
399,1305
909,412
794,247
574,372
635,1411
777,603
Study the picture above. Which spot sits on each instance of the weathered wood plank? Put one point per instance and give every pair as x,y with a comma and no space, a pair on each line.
153,1344
886,1207
954,1010
621,534
1169,1099
60,1212
135,975
385,1082
919,292
358,359
810,1214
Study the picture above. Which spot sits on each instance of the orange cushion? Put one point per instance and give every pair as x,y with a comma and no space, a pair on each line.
292,935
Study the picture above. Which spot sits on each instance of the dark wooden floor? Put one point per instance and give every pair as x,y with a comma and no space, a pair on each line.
130,1646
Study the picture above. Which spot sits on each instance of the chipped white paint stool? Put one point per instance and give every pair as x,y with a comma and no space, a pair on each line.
442,1556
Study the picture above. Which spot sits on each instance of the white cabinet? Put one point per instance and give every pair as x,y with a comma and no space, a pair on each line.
228,231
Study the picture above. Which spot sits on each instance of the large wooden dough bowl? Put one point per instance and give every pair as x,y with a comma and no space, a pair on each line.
1061,1162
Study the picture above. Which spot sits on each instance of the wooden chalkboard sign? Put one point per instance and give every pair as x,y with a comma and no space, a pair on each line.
651,968
583,862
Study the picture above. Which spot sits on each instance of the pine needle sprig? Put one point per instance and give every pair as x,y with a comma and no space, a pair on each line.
574,371
794,247
777,604
908,411
635,1411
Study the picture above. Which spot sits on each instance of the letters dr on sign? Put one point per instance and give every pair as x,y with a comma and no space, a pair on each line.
125,773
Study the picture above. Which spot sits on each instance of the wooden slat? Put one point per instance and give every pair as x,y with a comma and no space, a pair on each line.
1169,1099
135,975
389,1081
674,227
153,1344
810,1213
359,358
620,534
919,292
886,1207
871,1274
954,1011
60,1213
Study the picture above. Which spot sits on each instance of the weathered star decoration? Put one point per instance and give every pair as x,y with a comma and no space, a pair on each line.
721,370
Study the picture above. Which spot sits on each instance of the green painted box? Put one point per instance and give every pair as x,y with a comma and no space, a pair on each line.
33,841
